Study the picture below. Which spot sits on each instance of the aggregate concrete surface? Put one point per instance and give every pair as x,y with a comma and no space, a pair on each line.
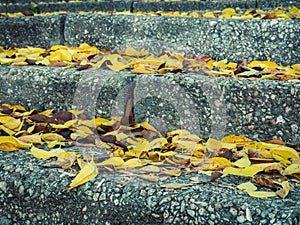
208,106
32,194
220,38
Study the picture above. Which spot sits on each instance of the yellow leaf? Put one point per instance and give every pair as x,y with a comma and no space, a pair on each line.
159,155
173,172
87,47
292,169
7,130
147,126
284,16
101,144
58,126
236,139
231,65
284,151
9,143
75,112
246,17
158,142
33,139
296,67
143,145
114,161
243,162
6,61
230,11
261,194
87,173
293,9
15,107
208,15
149,169
247,186
70,123
249,171
133,52
284,191
52,137
6,119
83,131
282,160
133,163
263,64
220,64
47,112
140,68
191,146
149,178
45,62
66,159
54,57
41,154
99,121
57,47
213,144
217,163
31,129
52,144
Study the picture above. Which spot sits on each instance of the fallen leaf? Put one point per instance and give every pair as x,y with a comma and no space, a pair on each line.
41,154
243,162
114,161
87,173
247,186
284,191
261,194
249,171
9,143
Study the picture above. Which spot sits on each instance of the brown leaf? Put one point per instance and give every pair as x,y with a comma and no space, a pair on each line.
58,64
64,116
41,118
84,67
215,175
28,13
270,16
31,61
265,181
108,138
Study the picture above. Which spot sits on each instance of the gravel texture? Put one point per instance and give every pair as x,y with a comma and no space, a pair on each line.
183,6
191,6
30,31
232,39
72,6
32,194
207,106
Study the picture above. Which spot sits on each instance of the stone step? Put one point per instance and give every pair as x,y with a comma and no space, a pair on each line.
207,106
33,194
220,38
135,6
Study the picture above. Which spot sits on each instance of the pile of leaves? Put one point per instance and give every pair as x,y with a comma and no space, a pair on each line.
227,13
141,151
144,62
